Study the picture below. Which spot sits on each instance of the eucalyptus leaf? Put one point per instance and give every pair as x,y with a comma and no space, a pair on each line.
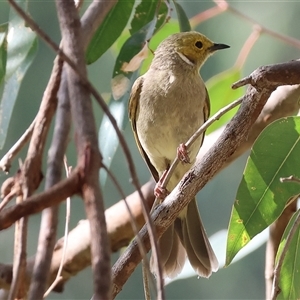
110,29
261,196
221,94
3,50
290,270
184,23
21,50
144,13
131,48
108,139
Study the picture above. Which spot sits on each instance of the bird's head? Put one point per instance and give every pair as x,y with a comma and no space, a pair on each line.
192,47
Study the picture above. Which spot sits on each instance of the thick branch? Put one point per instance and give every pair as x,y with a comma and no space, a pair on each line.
87,146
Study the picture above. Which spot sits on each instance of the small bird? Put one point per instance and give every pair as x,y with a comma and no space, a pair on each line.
167,105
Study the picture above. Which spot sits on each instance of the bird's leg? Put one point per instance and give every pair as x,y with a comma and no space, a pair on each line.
182,154
159,191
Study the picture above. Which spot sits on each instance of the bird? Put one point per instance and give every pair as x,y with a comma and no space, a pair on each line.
166,106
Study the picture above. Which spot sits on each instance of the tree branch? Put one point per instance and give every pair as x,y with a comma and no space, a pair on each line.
78,254
37,203
87,146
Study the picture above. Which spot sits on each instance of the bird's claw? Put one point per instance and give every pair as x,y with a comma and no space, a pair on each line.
182,154
160,191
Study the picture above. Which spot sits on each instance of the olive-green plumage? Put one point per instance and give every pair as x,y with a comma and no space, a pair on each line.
167,105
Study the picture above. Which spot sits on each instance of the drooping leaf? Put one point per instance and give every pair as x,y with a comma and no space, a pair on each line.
3,50
111,28
143,14
261,197
136,61
132,47
290,270
168,29
163,15
162,22
184,23
21,50
221,94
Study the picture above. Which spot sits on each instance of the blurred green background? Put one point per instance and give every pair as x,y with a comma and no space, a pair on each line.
243,280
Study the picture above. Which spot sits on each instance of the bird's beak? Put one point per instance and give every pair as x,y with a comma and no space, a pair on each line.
215,47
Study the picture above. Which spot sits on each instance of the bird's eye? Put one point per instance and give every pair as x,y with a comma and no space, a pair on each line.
199,44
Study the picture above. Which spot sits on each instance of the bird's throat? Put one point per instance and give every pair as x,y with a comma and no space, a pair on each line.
186,59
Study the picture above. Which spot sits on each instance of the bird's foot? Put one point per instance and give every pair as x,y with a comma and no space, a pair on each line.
160,191
182,154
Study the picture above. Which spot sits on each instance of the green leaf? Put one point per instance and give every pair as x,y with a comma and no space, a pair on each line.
184,23
221,94
148,18
290,271
3,50
261,197
111,28
168,29
161,24
132,47
163,16
21,50
108,140
144,13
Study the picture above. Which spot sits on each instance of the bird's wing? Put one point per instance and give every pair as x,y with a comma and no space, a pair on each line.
133,110
206,111
206,106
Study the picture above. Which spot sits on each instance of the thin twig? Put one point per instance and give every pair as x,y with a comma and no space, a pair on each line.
7,198
286,39
207,14
17,289
132,220
5,162
65,244
290,179
247,47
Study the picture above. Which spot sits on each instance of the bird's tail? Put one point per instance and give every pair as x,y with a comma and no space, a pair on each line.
186,236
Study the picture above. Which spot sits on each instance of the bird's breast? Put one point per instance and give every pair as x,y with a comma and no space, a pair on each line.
170,111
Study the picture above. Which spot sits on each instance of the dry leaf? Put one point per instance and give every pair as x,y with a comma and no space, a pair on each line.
136,61
119,86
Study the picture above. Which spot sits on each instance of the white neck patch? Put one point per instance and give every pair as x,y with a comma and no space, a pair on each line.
185,59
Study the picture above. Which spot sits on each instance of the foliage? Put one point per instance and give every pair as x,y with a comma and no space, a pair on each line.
18,46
